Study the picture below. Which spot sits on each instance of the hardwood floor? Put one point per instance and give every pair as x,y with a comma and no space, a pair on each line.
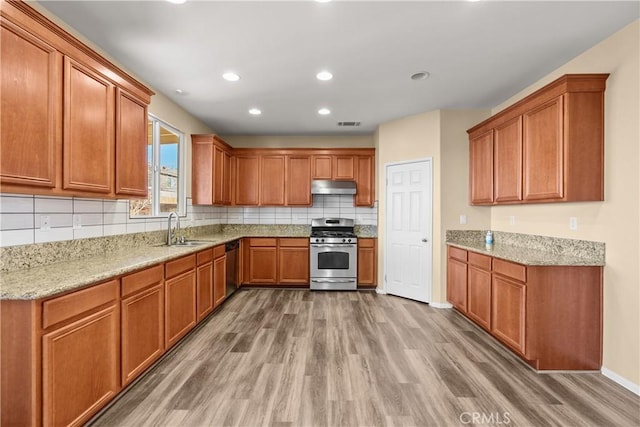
300,358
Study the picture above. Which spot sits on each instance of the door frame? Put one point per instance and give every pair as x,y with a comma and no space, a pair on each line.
429,225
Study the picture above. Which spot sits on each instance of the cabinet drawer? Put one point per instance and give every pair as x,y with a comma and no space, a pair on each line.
457,253
480,261
262,241
180,265
366,243
510,269
301,242
68,306
142,279
218,251
204,256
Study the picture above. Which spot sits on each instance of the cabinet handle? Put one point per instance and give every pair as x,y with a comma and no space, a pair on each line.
425,240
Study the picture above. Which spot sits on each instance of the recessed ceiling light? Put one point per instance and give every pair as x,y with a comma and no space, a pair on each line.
324,111
324,76
422,75
179,91
231,77
323,1
255,112
177,1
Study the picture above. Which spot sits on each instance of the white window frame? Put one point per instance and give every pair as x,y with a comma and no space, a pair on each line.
154,187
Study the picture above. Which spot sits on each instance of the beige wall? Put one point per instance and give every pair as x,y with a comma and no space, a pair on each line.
616,221
161,106
409,138
273,141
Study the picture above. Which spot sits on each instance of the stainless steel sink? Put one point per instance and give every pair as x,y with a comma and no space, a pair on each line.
185,243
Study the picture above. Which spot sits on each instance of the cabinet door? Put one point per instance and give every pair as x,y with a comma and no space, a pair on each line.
218,175
365,181
142,331
80,368
226,178
31,105
131,145
263,265
544,152
479,296
219,280
507,151
247,173
88,144
272,180
180,303
367,262
344,167
457,284
298,181
293,265
204,282
481,169
321,167
202,179
508,299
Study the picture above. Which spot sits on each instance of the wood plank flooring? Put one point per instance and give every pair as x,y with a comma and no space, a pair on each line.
276,357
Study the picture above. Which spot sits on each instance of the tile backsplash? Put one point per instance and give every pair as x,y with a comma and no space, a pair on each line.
21,217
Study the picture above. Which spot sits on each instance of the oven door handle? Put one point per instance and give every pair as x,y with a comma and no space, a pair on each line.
333,280
334,245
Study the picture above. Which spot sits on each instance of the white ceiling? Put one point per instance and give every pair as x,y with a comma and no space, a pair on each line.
478,54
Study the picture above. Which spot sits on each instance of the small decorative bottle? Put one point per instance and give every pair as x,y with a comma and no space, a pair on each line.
488,240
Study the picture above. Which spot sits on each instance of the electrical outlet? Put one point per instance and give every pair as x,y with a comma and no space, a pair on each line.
45,223
512,220
463,219
77,221
573,223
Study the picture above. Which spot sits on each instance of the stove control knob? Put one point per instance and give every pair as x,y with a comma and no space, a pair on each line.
344,240
349,240
322,240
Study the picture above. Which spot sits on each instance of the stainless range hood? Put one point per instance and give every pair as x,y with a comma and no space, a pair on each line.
326,186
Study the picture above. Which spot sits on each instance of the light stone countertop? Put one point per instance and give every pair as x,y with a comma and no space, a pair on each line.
53,279
526,256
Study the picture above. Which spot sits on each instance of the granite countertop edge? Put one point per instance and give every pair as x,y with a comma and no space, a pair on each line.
55,279
525,256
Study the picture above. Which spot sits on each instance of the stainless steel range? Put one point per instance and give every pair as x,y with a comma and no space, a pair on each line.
334,254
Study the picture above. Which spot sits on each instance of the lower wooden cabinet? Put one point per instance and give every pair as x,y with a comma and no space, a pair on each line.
180,298
219,275
273,261
479,289
142,326
508,312
293,261
551,316
367,262
204,283
80,355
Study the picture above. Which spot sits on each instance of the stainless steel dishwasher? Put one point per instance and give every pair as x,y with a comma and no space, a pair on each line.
232,248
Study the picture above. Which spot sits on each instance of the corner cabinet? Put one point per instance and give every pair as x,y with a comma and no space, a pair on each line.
548,147
73,124
550,316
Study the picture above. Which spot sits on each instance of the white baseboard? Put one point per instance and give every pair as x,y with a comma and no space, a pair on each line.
629,385
440,305
381,291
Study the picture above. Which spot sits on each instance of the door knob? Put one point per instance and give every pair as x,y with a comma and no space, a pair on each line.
425,240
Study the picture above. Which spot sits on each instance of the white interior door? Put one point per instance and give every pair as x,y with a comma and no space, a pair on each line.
409,246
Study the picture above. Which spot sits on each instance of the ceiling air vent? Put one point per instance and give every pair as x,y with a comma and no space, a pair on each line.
349,124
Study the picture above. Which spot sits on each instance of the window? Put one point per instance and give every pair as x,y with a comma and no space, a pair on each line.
165,172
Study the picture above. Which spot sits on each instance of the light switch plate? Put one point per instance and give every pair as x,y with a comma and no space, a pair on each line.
512,220
463,219
45,223
77,221
573,223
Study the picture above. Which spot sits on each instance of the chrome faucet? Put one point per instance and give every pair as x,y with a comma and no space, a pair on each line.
169,232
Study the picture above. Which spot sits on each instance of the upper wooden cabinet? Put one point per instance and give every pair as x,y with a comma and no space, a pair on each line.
68,132
365,181
322,166
272,180
247,180
31,107
298,181
334,166
210,170
548,147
